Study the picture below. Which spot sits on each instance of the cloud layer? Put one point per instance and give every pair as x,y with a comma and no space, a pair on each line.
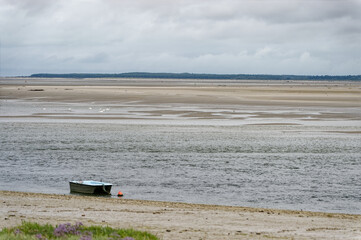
198,36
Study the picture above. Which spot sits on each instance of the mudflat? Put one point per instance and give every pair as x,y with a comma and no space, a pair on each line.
170,220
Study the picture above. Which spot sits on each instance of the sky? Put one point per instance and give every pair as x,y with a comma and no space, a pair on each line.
301,37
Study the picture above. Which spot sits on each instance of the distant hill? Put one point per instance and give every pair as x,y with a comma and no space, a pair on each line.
199,76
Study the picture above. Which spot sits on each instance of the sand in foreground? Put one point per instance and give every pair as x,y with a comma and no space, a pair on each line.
177,220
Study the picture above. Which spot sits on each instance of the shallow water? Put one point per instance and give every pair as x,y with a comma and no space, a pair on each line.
287,167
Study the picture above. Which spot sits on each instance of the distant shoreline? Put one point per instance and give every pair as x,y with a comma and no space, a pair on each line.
200,76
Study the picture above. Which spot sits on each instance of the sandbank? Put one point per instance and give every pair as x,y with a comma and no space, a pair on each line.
188,99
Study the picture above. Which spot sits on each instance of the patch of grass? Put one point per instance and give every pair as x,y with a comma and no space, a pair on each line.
35,231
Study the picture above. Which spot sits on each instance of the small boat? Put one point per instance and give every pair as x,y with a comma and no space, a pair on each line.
90,187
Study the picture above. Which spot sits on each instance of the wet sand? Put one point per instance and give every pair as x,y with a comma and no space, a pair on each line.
169,220
256,93
195,99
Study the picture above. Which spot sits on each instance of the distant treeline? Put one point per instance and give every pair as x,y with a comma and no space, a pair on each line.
198,76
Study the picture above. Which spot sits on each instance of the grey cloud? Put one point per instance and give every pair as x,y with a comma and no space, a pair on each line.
30,7
258,36
96,58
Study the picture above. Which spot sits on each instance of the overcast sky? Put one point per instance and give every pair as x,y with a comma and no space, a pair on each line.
197,36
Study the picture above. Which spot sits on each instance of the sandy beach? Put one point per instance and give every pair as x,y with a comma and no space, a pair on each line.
170,220
243,102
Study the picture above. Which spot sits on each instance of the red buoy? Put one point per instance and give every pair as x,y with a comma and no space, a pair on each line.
120,194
